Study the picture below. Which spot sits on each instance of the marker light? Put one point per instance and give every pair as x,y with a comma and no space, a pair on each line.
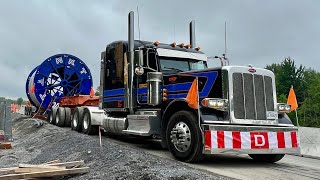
181,45
188,46
156,43
173,44
197,48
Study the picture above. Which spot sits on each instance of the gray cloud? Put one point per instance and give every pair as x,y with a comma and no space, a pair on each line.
259,32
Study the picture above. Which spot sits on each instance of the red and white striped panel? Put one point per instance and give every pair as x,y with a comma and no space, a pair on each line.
250,140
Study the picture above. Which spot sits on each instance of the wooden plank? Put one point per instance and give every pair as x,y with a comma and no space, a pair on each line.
4,171
69,164
54,161
35,169
64,164
51,173
40,166
5,146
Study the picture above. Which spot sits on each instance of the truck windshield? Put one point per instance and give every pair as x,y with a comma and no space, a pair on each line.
181,64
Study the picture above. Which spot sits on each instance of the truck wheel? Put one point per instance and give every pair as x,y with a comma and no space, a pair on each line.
67,121
53,114
61,117
268,158
77,119
184,137
87,127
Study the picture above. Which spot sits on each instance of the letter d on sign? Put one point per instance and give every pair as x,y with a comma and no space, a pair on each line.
259,140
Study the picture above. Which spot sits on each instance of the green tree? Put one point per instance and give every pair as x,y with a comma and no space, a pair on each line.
288,74
310,109
97,93
306,84
19,101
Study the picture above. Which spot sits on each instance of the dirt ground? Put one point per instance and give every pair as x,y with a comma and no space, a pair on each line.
33,144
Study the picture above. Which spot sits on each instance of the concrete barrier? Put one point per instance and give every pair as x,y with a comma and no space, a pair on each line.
310,141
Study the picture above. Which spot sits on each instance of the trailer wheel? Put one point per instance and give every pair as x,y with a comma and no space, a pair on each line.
61,117
268,158
52,116
184,137
87,127
27,111
67,121
77,119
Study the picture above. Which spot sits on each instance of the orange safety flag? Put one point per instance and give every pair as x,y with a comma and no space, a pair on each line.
32,88
91,92
192,96
292,100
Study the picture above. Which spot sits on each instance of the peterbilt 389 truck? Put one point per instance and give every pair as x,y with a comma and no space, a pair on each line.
144,87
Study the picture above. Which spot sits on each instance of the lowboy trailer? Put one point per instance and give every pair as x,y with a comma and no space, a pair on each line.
144,87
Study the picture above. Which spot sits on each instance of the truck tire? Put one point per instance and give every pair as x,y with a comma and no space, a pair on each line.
184,137
87,127
268,158
77,119
52,116
67,121
61,117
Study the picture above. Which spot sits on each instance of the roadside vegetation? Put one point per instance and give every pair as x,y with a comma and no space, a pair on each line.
306,84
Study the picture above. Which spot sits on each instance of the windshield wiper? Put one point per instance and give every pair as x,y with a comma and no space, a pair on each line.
176,69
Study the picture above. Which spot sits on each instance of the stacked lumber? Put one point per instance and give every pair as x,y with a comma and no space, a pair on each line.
46,170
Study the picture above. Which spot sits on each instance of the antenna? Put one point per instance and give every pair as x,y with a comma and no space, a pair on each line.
174,32
225,38
138,21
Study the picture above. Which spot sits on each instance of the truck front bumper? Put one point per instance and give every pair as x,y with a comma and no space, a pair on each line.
238,139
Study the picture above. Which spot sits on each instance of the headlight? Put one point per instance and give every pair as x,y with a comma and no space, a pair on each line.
218,104
284,108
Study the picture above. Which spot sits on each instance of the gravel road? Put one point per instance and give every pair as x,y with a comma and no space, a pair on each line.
34,145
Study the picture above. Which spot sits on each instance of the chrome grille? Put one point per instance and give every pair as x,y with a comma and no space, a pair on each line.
252,96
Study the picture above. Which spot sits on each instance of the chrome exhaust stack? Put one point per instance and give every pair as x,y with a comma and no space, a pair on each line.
130,98
192,32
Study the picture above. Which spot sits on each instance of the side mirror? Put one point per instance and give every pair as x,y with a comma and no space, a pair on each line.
138,58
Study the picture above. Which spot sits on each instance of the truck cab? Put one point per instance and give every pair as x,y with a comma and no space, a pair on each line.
144,88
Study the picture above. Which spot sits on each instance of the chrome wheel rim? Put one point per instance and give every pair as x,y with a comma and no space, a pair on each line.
74,120
57,119
85,121
181,136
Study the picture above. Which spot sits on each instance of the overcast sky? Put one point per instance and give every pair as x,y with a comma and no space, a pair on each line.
259,32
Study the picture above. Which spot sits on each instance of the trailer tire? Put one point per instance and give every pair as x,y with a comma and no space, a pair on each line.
87,127
191,148
61,117
67,121
27,111
52,116
267,158
76,123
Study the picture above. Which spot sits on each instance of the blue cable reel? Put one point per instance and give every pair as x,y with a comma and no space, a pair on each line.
58,76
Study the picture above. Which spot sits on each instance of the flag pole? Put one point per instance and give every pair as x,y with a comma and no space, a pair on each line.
297,118
199,118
